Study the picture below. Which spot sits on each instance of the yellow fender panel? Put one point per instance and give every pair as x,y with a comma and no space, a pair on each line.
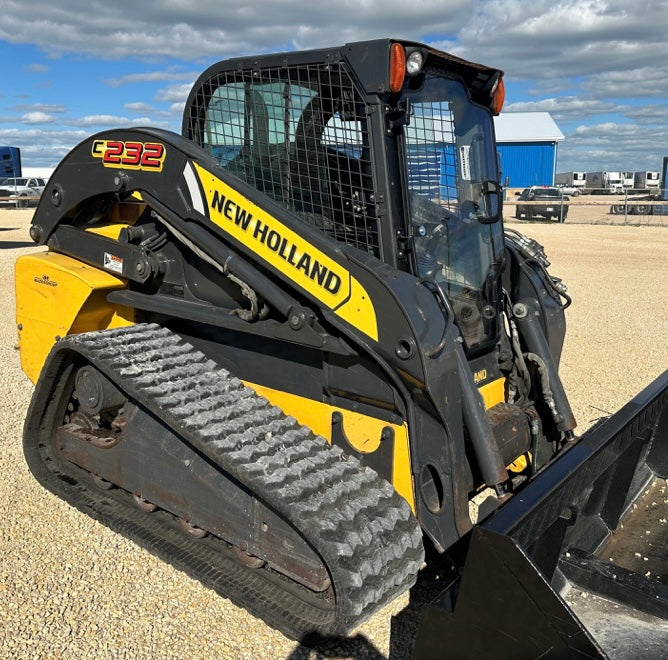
57,296
362,431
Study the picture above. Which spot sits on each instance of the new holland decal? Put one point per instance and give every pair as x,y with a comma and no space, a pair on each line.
283,248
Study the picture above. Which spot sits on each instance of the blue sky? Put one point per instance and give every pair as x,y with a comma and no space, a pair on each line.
72,68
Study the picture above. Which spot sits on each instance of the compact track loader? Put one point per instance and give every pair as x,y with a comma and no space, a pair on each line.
293,347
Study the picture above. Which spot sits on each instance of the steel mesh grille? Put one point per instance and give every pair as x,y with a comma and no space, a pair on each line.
431,153
299,135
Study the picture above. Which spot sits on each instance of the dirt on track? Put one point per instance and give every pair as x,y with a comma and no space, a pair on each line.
69,587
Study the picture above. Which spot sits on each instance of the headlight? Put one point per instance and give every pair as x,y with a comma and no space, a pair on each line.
414,63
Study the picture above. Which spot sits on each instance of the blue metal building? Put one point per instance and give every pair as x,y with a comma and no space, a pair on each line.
527,143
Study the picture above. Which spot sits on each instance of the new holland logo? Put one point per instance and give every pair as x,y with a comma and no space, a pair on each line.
280,246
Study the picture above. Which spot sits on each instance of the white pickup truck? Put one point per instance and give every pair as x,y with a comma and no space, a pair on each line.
21,191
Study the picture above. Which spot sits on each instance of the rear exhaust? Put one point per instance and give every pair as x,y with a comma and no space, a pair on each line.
561,531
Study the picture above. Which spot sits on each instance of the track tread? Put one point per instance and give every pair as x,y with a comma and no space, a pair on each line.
365,532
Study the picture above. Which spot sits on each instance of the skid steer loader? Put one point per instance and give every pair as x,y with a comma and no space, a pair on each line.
292,347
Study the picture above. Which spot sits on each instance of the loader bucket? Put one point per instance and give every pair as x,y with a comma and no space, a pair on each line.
561,531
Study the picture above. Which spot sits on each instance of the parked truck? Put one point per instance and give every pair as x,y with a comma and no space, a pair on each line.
627,180
662,191
10,162
646,181
570,180
604,183
649,189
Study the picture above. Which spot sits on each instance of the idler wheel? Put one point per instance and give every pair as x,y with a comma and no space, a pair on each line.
248,560
101,483
144,505
193,530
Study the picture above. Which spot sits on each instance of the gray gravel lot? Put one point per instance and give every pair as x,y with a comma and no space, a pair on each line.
69,587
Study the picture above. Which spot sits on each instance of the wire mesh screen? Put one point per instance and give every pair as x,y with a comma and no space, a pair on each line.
431,153
299,135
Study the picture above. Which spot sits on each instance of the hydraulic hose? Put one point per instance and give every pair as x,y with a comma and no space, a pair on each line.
527,315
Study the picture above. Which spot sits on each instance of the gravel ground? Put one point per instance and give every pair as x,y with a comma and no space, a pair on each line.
69,587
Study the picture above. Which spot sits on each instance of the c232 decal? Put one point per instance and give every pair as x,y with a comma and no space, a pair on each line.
130,155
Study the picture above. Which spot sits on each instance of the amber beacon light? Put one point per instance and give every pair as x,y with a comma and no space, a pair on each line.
498,97
397,67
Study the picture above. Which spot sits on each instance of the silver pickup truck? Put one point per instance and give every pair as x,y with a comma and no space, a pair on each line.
21,191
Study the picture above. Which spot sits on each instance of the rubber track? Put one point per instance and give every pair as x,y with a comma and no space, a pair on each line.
365,532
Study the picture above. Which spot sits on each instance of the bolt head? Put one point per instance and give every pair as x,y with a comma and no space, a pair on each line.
35,233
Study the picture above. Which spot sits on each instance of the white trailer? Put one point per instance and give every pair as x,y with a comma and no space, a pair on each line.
609,183
646,180
570,179
628,179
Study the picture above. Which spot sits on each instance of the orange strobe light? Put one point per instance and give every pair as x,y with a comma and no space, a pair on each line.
498,97
397,67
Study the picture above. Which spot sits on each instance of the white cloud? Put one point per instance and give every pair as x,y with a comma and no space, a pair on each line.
648,114
594,131
646,81
587,62
539,40
39,107
49,137
612,146
139,106
37,68
174,93
177,108
566,107
108,120
208,29
544,40
36,118
152,76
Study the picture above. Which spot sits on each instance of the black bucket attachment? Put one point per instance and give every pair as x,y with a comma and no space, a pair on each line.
565,529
